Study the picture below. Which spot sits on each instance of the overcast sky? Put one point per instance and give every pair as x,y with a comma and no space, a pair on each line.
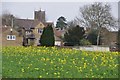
53,9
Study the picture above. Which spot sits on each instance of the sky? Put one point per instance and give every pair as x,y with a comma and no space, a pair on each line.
54,10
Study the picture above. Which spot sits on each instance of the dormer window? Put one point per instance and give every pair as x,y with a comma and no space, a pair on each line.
11,37
40,31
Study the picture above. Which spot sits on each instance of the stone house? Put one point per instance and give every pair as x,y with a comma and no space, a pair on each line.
59,34
10,37
109,37
31,30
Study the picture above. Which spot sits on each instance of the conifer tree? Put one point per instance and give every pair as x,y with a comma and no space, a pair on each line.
47,37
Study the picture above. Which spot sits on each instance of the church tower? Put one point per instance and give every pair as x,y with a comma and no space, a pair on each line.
39,15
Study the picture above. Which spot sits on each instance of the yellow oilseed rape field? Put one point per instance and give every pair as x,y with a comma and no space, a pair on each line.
52,62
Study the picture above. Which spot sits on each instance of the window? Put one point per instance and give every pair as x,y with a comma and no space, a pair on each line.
11,37
40,31
28,32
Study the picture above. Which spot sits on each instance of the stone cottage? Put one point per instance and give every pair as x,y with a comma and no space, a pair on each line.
10,37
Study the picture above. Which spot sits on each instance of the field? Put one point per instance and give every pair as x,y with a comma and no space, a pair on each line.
52,62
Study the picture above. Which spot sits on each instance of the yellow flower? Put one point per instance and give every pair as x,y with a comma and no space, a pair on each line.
55,73
92,76
36,68
58,76
66,72
22,70
47,59
40,76
43,69
80,69
73,62
82,58
58,73
104,73
91,70
51,62
47,73
84,65
93,59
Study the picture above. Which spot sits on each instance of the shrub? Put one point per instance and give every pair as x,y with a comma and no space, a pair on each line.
84,42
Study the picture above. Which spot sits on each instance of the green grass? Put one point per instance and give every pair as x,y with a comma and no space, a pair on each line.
0,62
51,62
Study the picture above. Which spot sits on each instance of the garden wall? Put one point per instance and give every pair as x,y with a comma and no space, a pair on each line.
92,48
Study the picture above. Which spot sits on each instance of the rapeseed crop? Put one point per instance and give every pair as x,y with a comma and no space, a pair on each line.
52,62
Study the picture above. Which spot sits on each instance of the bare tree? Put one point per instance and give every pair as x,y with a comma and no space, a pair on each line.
6,19
96,16
71,24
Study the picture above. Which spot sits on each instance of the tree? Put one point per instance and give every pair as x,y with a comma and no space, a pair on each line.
7,19
71,23
74,35
96,16
61,23
92,37
47,37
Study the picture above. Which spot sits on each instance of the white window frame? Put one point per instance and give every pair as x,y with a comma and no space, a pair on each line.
58,43
11,37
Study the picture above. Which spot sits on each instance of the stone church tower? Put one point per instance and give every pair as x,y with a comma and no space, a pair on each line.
39,15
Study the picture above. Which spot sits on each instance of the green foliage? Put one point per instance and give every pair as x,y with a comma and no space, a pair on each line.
51,62
84,42
118,40
92,37
61,23
74,35
47,37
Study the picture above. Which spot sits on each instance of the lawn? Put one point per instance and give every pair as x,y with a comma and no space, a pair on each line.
52,62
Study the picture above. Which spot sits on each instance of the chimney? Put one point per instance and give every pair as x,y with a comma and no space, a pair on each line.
12,21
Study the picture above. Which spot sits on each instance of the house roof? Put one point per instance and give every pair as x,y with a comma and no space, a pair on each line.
9,30
29,23
3,28
26,23
58,34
